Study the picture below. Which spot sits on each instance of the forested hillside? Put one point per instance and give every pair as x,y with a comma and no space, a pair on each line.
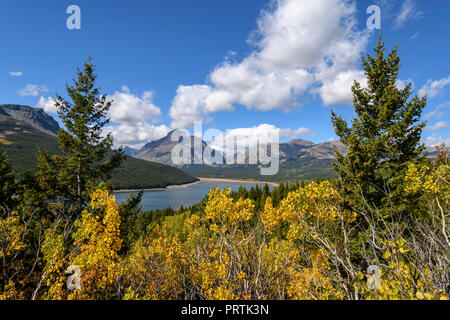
21,140
307,169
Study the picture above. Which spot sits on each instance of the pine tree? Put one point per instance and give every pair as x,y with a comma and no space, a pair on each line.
8,184
384,136
282,190
129,211
85,149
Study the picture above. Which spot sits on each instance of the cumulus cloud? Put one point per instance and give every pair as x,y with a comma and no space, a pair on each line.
407,13
133,118
438,112
130,108
401,84
433,88
251,137
33,90
435,140
137,134
192,103
48,104
300,45
338,90
15,73
438,126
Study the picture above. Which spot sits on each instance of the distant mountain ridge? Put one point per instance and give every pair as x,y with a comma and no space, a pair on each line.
324,150
300,142
130,151
33,117
299,160
161,150
25,130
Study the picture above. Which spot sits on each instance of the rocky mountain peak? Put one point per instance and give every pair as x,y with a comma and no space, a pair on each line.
33,117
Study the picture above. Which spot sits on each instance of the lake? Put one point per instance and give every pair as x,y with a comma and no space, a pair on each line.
182,196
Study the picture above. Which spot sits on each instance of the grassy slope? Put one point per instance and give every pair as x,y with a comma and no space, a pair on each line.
22,147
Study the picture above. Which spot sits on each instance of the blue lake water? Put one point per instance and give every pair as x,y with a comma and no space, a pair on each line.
177,197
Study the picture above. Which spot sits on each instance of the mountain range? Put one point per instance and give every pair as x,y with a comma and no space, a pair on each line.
299,160
161,150
25,130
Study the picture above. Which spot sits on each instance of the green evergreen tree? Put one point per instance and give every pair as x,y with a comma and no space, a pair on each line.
87,157
384,136
275,197
129,212
8,184
282,190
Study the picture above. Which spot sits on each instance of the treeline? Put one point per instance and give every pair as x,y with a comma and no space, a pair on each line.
22,146
305,168
380,230
137,223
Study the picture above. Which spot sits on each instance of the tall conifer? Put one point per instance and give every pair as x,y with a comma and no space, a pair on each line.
87,157
384,135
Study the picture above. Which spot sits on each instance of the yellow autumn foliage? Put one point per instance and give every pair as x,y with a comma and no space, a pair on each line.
96,246
11,236
299,249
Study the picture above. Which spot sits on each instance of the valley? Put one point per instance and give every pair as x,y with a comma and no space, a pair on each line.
25,130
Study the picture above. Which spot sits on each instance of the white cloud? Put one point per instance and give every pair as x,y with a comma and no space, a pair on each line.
136,134
401,84
408,12
133,118
15,73
435,140
299,45
338,90
414,36
248,85
438,126
230,54
250,137
47,104
438,112
192,103
129,108
33,90
433,88
125,89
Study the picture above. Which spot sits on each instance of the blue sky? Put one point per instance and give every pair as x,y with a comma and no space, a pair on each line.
247,65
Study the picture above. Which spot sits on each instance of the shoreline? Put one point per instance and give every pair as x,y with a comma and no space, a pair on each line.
201,180
236,181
